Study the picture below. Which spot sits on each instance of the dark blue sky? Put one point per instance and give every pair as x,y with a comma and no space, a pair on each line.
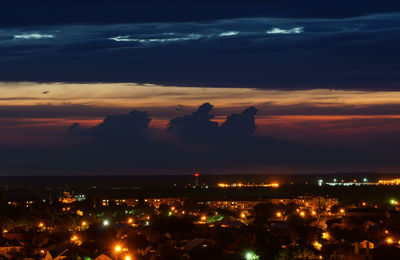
295,84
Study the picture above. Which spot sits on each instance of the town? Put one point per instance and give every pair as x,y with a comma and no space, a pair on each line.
230,221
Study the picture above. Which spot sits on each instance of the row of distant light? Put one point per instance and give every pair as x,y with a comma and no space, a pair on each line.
320,181
225,185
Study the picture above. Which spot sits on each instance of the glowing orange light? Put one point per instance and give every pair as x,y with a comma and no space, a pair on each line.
389,240
317,245
364,204
314,213
222,185
302,213
242,215
41,224
342,211
130,220
278,214
172,208
118,248
84,223
203,218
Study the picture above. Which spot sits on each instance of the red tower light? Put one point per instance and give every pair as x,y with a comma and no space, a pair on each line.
196,179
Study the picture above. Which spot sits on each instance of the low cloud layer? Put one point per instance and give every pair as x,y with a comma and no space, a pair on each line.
126,143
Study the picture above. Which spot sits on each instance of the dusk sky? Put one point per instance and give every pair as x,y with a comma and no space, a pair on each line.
287,86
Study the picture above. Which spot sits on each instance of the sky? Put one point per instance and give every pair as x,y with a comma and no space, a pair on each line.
144,87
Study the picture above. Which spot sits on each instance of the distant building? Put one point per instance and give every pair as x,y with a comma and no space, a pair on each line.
66,198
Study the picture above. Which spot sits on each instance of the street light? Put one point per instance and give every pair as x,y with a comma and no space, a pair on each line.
117,250
251,256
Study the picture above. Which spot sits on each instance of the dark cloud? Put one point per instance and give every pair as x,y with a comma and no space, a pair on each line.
268,48
240,125
118,128
125,143
197,126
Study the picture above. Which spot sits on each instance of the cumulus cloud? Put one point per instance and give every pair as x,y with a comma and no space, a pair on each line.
240,125
133,126
197,126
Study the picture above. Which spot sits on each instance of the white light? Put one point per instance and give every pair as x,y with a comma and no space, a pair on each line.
106,222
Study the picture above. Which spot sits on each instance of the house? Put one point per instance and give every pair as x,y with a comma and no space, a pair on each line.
355,252
8,247
367,244
57,253
103,257
18,234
